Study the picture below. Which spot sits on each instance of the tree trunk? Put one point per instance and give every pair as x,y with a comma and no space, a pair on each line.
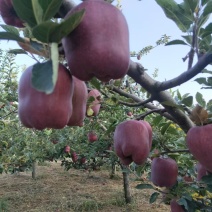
113,170
33,169
127,193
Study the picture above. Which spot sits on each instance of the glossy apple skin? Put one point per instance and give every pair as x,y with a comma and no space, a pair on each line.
79,101
131,142
9,15
175,207
164,172
92,137
39,110
199,143
201,171
95,105
99,46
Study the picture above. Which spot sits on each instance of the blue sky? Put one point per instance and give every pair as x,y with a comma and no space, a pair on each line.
147,23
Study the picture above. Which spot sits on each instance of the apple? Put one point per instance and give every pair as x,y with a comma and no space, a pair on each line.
74,157
187,178
9,15
149,128
82,160
175,207
99,45
92,136
129,113
67,149
164,172
201,171
94,105
79,101
132,142
199,143
39,110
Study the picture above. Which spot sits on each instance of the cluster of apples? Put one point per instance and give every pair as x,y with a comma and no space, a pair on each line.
98,47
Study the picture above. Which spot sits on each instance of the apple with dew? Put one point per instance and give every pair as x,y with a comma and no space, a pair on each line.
67,149
199,143
39,110
79,101
9,15
99,45
132,142
164,172
92,136
95,104
175,207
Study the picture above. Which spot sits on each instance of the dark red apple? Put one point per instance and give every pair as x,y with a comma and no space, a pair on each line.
129,113
199,142
164,172
39,110
94,105
74,157
201,171
8,14
79,101
131,142
92,136
149,128
99,46
82,160
67,149
175,207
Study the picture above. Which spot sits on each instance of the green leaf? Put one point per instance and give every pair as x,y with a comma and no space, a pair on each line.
176,42
37,10
10,36
144,186
42,77
157,120
200,99
205,71
188,101
208,9
201,80
11,29
183,202
25,11
176,13
96,83
207,31
207,179
153,197
165,128
50,8
17,51
51,32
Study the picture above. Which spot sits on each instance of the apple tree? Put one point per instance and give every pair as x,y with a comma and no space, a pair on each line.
82,41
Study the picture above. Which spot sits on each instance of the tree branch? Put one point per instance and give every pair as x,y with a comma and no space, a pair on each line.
142,116
141,103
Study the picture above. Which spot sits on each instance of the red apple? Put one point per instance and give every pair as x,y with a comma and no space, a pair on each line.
129,113
131,142
99,46
82,160
8,14
149,128
67,149
94,105
92,136
40,110
175,207
74,157
79,101
164,172
199,142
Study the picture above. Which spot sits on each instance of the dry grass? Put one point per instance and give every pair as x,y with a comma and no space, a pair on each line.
56,190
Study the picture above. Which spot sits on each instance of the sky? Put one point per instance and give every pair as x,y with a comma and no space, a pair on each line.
147,23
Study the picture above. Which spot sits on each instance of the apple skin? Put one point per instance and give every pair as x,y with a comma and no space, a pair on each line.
9,15
199,143
129,113
79,101
149,128
201,171
39,110
95,105
92,137
99,46
131,142
175,207
82,160
74,157
67,149
164,172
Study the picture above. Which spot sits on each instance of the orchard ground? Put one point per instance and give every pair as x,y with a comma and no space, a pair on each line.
57,190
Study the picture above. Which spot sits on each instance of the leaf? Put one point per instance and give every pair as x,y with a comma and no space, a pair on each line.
42,77
207,179
207,31
153,197
144,186
183,202
208,9
176,42
165,128
10,36
206,71
176,13
188,101
201,80
157,120
51,32
96,83
24,10
17,51
199,115
200,99
11,29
